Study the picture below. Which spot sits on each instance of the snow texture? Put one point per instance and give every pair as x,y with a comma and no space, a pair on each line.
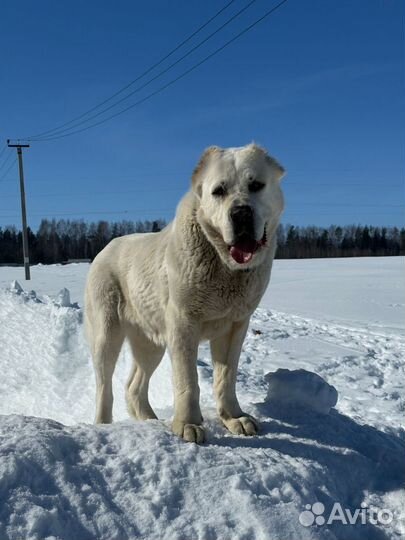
63,478
301,388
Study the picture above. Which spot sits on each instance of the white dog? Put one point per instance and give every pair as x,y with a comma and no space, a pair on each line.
200,278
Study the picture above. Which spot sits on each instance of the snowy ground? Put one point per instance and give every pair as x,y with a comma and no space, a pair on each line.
62,478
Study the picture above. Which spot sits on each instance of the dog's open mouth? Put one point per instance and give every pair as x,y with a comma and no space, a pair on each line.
243,250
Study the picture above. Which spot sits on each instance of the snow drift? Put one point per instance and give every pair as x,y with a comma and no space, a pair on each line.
63,478
301,388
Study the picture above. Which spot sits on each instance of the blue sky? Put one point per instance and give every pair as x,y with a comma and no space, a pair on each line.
320,83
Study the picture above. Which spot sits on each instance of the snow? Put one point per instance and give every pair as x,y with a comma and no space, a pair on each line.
301,388
368,291
324,327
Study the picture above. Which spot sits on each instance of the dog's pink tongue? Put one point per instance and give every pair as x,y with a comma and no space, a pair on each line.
242,252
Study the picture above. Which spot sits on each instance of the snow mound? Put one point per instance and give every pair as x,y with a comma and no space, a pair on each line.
301,388
62,299
15,288
137,480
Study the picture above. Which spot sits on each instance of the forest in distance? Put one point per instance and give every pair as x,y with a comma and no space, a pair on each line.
58,241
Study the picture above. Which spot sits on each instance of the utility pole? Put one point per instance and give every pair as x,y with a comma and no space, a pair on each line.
23,210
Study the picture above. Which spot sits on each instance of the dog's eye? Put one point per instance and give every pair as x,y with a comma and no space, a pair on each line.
219,191
255,186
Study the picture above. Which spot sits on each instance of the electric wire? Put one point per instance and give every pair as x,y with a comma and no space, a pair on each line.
147,83
139,211
6,160
2,178
139,77
4,149
344,206
72,194
173,81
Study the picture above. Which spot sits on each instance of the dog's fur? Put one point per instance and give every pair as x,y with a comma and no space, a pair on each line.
180,286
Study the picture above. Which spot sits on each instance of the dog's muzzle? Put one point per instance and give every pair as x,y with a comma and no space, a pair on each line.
242,222
244,244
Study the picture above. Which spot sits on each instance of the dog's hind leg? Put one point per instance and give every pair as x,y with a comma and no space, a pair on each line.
106,348
105,336
147,356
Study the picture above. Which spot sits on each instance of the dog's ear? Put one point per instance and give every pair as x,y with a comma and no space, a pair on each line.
201,165
277,169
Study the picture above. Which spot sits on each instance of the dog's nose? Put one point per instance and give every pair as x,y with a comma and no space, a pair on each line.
241,215
242,221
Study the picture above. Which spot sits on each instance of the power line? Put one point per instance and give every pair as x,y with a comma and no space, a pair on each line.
92,212
8,170
171,66
6,160
77,124
136,214
185,174
292,172
4,149
171,209
146,72
173,81
102,181
170,190
354,205
84,193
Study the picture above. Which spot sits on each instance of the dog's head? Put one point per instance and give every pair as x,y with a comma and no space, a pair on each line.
240,202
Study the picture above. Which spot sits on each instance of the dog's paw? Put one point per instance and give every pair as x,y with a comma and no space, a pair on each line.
189,432
244,425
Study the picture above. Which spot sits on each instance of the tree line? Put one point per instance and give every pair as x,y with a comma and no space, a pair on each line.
63,240
336,241
58,241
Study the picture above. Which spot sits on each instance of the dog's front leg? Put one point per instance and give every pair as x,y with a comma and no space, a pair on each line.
225,351
183,348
